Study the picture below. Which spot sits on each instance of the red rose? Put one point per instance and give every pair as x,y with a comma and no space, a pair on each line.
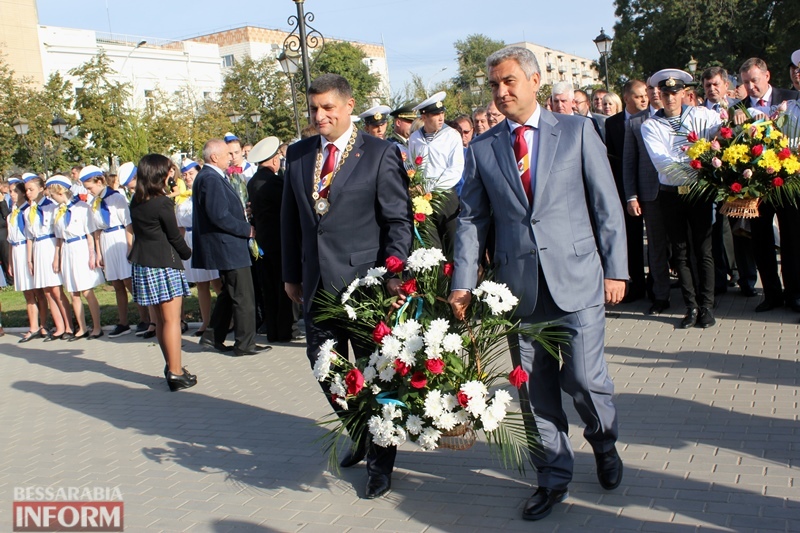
409,286
418,380
786,153
736,187
448,270
517,377
394,264
354,381
777,182
380,331
434,366
463,399
418,160
419,217
725,133
696,164
757,150
692,137
401,368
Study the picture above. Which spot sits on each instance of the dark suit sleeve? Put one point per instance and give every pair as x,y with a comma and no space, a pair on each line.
169,224
291,233
218,208
394,204
630,162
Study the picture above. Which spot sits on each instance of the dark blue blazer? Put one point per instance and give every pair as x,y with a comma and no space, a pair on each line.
369,217
219,227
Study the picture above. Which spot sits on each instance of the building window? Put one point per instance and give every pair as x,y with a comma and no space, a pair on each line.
150,101
206,95
228,61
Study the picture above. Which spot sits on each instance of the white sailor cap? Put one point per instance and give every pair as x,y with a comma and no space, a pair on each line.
125,173
28,176
90,171
376,116
264,149
188,165
796,58
432,105
671,79
58,179
230,137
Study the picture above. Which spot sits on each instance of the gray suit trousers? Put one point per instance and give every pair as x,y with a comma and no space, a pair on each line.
583,375
655,226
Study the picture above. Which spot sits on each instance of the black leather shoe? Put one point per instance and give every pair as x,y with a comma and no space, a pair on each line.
706,318
377,486
609,469
768,304
749,292
690,318
658,307
794,305
541,503
30,336
186,372
206,340
183,381
353,457
255,350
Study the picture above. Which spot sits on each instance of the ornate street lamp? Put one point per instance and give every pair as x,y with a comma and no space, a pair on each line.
289,62
302,38
603,43
692,66
480,78
59,126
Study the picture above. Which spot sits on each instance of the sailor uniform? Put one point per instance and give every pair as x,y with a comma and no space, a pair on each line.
17,222
73,222
39,229
111,215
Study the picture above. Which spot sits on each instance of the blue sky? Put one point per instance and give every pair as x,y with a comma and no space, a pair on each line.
418,34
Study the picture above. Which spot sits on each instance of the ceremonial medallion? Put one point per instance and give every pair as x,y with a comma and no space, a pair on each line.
321,206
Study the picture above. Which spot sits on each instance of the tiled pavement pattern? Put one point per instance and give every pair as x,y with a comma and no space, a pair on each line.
710,436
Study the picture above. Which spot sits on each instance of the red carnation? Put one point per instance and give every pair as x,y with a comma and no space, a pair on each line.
757,150
786,153
394,264
726,133
418,160
517,377
380,331
692,137
696,164
354,381
736,187
418,380
434,366
401,368
448,270
777,182
463,399
419,217
409,286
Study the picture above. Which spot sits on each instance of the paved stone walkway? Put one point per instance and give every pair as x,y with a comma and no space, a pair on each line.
710,436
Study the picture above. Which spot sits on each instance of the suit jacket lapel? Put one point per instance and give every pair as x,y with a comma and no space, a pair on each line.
344,173
504,153
307,163
548,142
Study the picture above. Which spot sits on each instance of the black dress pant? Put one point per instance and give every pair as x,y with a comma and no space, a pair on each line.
764,250
634,233
690,221
236,300
276,306
445,221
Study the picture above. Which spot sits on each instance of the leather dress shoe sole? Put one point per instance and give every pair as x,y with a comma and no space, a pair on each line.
541,503
377,486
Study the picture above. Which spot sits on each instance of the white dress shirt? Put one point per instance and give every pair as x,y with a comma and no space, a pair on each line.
444,157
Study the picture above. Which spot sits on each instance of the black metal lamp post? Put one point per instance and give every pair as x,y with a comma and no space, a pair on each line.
603,43
301,39
59,125
289,65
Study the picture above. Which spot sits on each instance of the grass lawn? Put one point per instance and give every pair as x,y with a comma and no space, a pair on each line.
14,314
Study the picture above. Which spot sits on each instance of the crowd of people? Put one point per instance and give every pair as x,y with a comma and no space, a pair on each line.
560,202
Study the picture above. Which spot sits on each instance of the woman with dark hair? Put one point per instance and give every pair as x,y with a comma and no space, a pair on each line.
158,248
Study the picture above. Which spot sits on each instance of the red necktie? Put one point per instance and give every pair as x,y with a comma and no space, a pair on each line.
523,160
327,171
761,102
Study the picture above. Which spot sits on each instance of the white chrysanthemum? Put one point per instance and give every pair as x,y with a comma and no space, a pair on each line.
413,344
391,346
462,416
342,403
429,438
399,436
382,430
502,397
449,401
350,290
375,390
387,373
407,356
490,421
369,374
351,313
497,296
433,352
446,421
433,404
326,356
376,272
452,342
407,329
476,406
374,357
414,424
436,332
390,411
424,259
337,386
475,389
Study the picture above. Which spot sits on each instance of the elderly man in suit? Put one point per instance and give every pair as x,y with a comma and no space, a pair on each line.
763,97
545,182
219,242
640,182
338,219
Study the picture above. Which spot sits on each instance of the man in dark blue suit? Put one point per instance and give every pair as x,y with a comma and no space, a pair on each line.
338,219
219,242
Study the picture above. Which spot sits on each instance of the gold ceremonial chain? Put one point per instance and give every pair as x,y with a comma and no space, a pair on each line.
322,204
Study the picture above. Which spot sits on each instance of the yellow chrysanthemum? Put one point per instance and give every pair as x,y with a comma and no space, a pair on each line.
769,159
736,153
791,165
784,142
775,134
699,148
421,205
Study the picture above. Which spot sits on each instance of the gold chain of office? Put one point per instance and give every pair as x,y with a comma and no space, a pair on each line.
321,205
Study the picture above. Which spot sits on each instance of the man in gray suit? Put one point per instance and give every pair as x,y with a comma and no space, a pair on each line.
640,180
545,182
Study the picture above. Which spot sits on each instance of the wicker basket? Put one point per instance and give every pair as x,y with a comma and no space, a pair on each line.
741,208
461,437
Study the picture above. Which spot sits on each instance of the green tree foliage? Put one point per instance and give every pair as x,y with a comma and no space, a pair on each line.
472,53
347,60
655,34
